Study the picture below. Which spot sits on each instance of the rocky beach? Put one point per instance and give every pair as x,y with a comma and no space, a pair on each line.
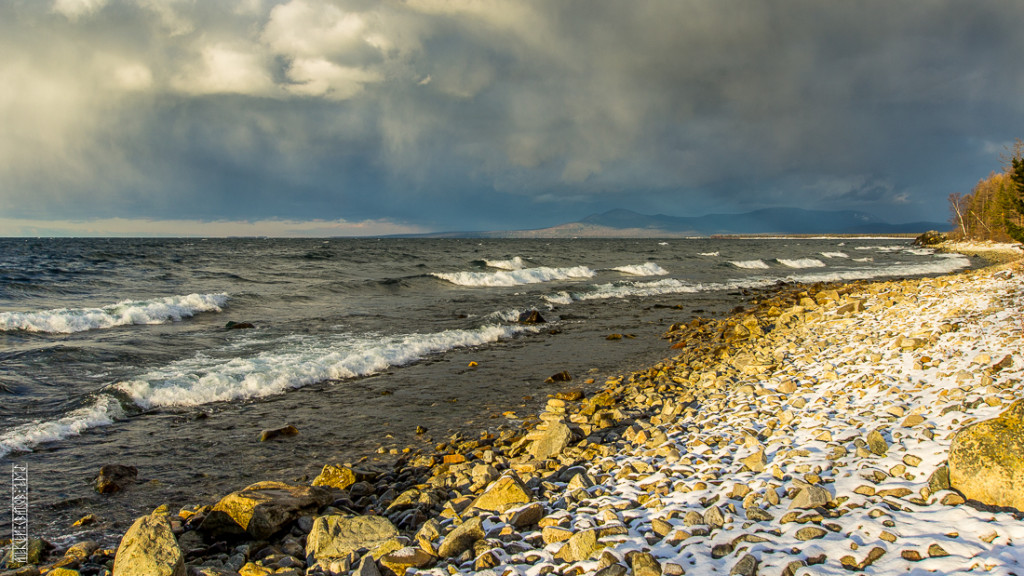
868,427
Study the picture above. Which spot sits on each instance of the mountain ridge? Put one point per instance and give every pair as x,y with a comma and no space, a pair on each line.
624,223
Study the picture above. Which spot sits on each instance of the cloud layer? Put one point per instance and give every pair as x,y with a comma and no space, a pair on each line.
477,114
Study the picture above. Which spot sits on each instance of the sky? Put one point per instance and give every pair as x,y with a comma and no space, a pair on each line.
372,117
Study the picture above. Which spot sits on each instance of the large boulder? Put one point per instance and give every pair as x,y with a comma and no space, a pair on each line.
148,548
986,459
335,536
930,238
262,509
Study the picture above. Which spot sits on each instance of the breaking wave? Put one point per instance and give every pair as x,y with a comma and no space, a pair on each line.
750,264
515,277
801,263
295,363
944,265
103,412
124,313
647,269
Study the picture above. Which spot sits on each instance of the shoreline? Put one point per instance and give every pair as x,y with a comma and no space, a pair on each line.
618,466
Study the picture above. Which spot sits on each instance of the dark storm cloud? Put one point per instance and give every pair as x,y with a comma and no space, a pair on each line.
475,114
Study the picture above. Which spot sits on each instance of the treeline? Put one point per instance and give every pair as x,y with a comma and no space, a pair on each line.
994,209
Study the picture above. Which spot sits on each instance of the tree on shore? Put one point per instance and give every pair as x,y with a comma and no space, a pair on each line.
1016,229
994,210
958,203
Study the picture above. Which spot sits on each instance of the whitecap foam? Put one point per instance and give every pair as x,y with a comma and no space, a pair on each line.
645,269
750,264
867,259
835,254
559,298
296,362
663,287
946,264
513,264
103,412
124,313
801,263
515,277
919,251
708,254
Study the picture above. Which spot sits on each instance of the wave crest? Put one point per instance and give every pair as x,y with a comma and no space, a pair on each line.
801,263
296,363
515,277
23,438
124,313
645,269
750,264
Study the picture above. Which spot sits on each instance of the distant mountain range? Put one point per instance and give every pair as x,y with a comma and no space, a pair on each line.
778,221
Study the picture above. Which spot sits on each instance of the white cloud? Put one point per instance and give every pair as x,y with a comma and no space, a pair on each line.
319,77
311,30
226,69
332,53
133,77
75,9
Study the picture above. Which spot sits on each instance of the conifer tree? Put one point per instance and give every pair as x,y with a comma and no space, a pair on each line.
1017,199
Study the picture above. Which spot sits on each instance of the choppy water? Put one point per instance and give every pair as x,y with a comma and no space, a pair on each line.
115,350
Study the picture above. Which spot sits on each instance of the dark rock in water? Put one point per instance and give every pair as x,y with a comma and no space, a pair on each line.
115,477
562,376
272,433
86,520
531,317
930,238
238,325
